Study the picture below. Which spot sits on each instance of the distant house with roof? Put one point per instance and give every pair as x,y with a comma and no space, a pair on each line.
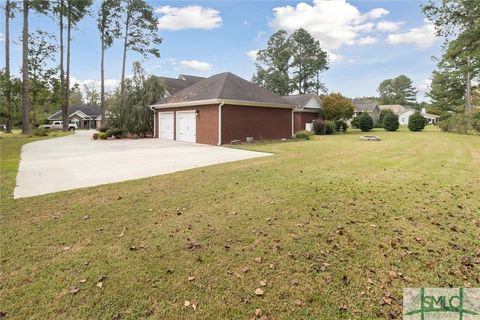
395,108
430,118
84,116
306,109
371,108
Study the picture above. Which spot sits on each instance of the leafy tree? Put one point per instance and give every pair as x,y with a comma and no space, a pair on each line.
335,107
75,96
108,24
14,86
365,122
129,110
447,90
390,121
416,122
92,96
308,61
459,20
398,90
41,52
140,34
290,64
272,64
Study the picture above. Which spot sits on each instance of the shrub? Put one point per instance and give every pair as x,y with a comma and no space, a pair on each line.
445,116
41,132
115,132
340,124
354,123
416,122
459,123
476,125
303,134
95,136
390,122
365,122
104,128
330,127
102,136
318,126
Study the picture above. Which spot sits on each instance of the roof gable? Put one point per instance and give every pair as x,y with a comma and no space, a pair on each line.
91,111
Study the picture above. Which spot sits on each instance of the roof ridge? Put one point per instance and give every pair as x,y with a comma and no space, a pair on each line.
220,93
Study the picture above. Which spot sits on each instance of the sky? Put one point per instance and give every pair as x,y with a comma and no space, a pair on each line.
367,40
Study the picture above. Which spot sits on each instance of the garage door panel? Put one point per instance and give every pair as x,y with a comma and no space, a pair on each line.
186,126
166,125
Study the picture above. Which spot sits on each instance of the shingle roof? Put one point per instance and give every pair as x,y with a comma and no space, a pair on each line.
224,86
90,110
363,106
396,108
191,79
298,99
176,84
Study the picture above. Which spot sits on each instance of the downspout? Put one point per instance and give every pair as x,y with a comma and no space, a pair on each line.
220,123
154,121
293,120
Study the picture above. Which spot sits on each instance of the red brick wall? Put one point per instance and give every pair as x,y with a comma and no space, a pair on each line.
206,126
239,122
301,118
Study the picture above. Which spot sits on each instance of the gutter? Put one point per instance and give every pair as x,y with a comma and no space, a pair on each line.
220,123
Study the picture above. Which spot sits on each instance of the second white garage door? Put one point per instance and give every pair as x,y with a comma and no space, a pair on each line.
186,126
166,125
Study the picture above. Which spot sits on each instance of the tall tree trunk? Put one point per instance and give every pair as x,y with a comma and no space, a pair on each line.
125,45
67,80
468,98
8,88
25,84
102,73
62,71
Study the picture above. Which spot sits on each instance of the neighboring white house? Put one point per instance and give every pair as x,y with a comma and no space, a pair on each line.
403,117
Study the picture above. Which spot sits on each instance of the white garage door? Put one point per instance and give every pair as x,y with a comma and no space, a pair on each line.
166,125
186,126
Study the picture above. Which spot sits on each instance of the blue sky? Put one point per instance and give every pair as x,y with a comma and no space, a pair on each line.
368,41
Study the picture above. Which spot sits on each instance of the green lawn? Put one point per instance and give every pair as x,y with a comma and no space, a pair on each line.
340,225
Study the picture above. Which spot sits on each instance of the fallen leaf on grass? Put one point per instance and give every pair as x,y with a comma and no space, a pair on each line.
100,285
258,312
257,259
83,280
186,303
259,292
73,290
191,278
263,283
298,302
245,269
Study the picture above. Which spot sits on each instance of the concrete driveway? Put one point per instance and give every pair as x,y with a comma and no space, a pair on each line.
77,161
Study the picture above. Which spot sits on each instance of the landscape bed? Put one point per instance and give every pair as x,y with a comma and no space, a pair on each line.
328,228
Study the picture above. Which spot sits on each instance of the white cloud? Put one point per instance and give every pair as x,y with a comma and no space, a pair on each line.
422,37
196,65
367,40
333,57
333,23
252,54
110,84
389,26
377,13
191,17
2,37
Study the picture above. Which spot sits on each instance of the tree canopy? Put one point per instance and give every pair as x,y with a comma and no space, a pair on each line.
291,64
335,107
399,90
